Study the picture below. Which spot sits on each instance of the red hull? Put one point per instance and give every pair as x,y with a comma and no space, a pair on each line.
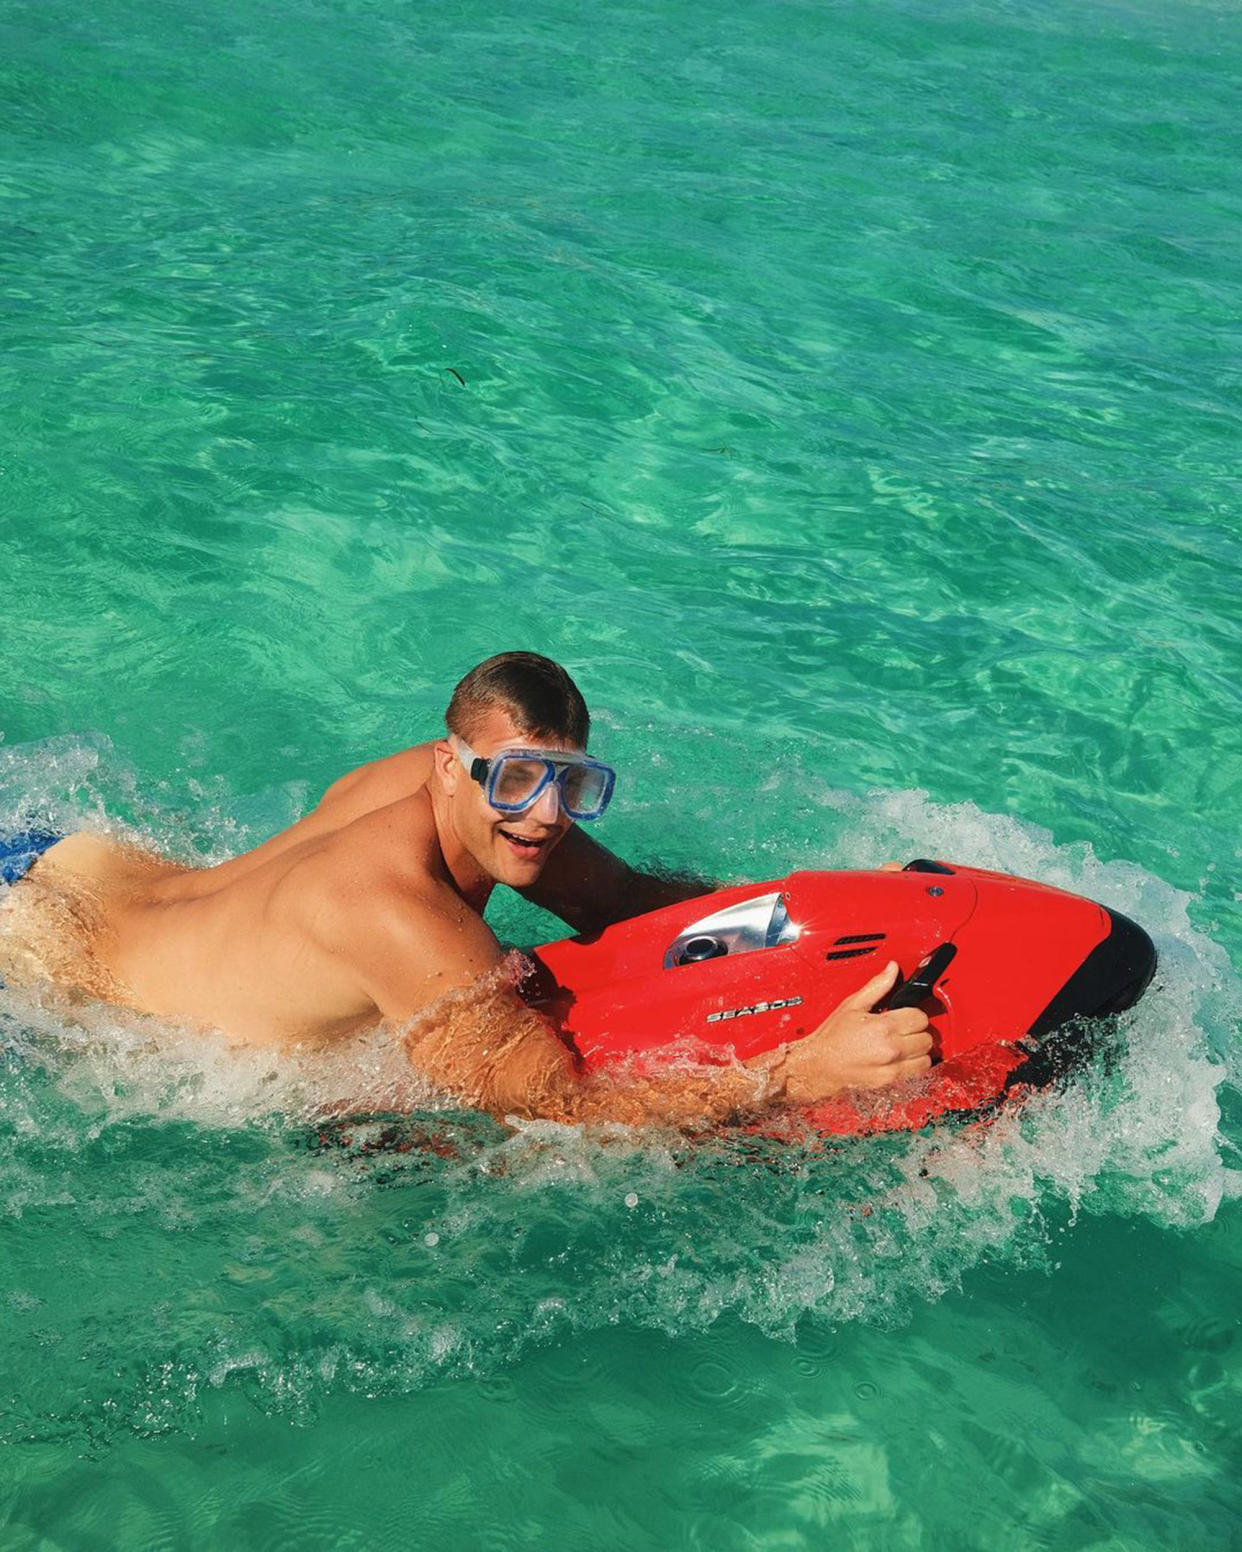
749,967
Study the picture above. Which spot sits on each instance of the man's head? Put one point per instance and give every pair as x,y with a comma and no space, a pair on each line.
517,700
536,694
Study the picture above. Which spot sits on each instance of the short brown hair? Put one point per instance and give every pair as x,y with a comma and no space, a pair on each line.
535,692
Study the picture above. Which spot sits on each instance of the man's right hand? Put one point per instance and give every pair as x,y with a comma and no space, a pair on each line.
857,1048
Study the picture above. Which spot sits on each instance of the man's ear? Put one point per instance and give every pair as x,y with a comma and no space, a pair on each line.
447,765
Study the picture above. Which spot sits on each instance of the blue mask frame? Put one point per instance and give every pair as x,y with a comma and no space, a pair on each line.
557,764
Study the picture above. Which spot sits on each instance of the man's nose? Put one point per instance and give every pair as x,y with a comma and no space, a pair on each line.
547,806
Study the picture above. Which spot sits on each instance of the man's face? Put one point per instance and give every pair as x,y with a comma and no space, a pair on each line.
510,848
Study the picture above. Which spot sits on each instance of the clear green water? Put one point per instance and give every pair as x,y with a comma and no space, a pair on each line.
849,394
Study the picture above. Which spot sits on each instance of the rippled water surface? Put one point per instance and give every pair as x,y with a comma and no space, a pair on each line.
849,395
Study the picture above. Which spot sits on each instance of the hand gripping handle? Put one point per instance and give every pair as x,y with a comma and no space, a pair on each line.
921,983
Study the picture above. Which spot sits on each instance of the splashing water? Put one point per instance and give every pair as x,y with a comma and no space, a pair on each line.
242,1237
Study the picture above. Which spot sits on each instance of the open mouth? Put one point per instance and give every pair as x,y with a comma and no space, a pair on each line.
525,844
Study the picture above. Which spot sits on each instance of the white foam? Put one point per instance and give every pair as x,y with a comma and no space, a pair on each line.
654,1228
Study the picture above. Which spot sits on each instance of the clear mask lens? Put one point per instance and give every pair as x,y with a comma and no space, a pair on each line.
517,780
584,787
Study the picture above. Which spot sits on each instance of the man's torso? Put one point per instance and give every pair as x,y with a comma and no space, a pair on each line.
247,946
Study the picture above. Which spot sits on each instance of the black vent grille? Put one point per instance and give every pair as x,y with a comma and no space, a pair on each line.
859,943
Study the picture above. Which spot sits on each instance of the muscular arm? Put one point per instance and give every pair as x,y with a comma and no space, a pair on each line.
434,969
484,1045
436,972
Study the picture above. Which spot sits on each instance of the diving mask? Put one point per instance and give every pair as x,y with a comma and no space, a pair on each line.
514,779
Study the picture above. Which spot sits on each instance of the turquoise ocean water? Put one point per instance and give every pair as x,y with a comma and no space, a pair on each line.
849,394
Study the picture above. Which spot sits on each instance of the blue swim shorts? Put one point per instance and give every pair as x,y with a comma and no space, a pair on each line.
19,853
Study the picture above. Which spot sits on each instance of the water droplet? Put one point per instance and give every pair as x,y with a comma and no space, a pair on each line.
632,1199
432,1239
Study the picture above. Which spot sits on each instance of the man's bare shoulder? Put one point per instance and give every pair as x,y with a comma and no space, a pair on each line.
381,903
385,860
381,782
361,795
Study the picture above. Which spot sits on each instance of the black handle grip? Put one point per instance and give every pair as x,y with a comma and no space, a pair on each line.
919,985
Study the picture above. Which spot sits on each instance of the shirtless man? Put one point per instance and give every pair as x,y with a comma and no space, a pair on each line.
371,908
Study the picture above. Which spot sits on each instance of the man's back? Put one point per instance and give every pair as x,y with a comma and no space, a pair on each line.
257,946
